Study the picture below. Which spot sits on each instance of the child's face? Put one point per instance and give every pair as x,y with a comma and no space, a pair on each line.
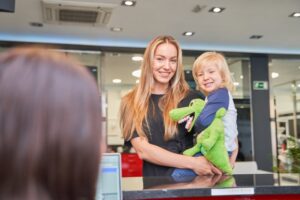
209,78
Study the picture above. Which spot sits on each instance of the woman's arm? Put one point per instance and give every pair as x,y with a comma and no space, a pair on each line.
160,156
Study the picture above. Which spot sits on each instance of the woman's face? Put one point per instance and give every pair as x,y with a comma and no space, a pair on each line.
164,66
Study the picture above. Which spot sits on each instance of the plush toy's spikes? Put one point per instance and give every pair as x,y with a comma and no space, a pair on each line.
194,109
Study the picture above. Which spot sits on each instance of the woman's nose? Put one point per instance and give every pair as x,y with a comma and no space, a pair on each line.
167,63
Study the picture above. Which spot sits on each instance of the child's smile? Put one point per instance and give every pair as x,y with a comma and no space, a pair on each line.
209,79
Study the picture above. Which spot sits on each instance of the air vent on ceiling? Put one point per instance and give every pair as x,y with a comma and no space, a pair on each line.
74,12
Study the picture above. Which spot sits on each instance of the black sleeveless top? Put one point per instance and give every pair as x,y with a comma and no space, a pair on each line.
155,132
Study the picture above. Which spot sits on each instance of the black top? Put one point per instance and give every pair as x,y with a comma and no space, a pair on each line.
155,132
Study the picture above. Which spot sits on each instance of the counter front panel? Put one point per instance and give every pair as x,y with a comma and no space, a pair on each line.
242,186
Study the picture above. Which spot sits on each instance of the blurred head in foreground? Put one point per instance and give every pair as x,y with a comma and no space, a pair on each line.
50,126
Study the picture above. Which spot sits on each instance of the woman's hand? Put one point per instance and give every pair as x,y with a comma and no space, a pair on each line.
203,167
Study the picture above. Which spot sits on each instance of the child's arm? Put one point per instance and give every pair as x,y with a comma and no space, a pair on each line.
215,101
234,154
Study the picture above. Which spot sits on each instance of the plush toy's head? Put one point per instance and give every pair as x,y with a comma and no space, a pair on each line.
193,110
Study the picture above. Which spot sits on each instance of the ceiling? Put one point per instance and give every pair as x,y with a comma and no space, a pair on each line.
226,31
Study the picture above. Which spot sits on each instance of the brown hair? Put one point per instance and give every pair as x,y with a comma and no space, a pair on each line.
134,106
50,127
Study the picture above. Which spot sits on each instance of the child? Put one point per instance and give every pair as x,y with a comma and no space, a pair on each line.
213,78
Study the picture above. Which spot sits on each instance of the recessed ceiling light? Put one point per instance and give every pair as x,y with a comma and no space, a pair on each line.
298,85
295,14
128,3
188,33
255,37
137,58
275,75
236,83
241,77
136,73
117,80
216,9
116,29
36,24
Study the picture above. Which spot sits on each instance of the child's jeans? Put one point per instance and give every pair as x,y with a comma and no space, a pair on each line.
179,174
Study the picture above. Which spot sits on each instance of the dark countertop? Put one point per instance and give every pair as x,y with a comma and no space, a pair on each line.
241,184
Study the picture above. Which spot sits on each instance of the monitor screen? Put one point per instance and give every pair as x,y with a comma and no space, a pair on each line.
109,180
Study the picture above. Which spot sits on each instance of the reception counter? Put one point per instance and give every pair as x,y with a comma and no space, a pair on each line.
241,186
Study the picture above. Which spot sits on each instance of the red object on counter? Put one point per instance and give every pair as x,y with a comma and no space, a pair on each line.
132,165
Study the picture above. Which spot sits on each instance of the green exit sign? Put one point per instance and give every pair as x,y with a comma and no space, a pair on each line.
260,85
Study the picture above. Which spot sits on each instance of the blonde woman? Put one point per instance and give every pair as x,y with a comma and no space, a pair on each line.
145,121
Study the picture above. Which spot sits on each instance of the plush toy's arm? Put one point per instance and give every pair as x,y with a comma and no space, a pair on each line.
210,136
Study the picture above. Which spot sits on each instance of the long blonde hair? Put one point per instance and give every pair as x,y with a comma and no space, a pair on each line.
218,60
134,106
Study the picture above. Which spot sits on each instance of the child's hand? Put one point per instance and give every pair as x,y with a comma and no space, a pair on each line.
233,156
232,162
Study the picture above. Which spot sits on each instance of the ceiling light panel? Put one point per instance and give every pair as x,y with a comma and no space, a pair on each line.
216,9
295,14
188,33
128,3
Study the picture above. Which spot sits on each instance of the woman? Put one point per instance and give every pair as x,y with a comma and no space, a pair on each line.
145,120
50,131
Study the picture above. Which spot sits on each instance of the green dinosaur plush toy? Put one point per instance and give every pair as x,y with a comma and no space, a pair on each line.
211,141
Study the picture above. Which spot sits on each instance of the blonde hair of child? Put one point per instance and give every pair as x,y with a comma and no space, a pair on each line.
218,60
